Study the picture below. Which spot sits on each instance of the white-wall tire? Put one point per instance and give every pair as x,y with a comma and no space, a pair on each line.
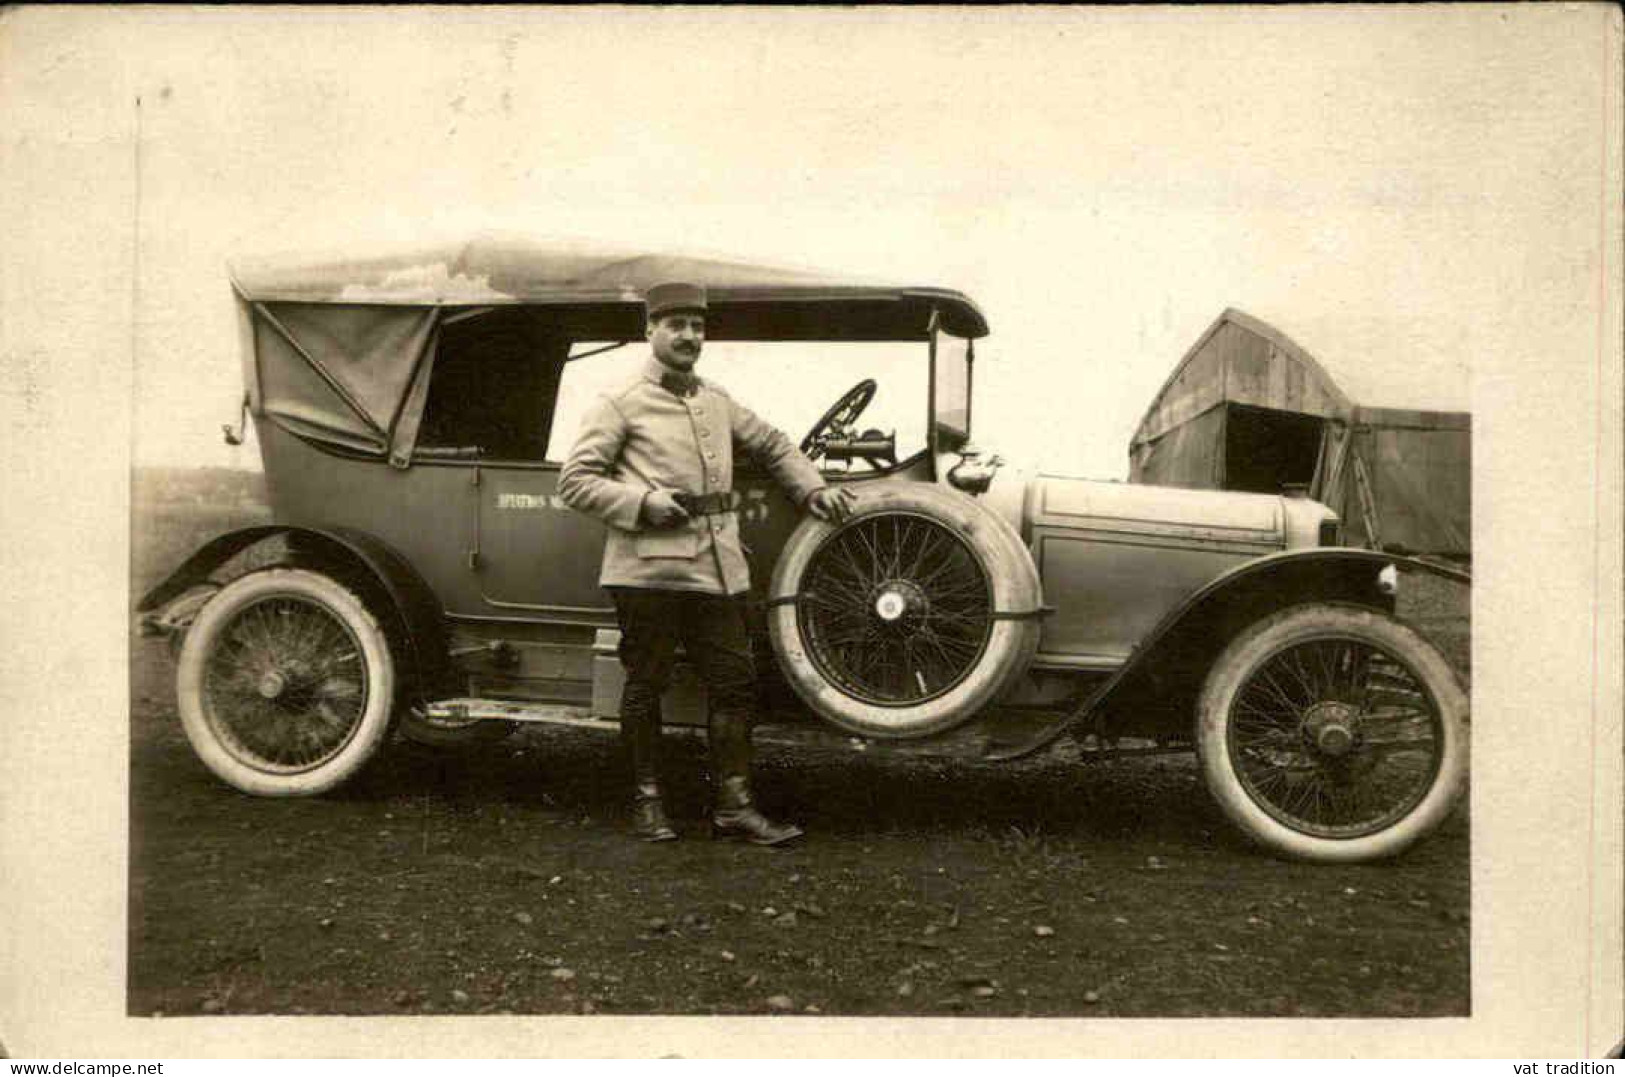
1334,734
942,647
285,684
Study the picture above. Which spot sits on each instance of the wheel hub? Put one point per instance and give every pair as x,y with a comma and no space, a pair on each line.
1329,727
897,612
895,600
272,685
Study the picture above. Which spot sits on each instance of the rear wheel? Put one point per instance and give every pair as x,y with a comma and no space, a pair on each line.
1333,733
286,684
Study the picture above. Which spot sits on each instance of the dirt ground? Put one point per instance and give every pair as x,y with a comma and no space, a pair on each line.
500,879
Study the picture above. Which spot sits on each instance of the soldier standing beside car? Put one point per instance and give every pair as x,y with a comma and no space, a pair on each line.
654,461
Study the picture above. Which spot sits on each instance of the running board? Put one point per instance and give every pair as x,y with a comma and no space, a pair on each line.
499,710
974,741
966,742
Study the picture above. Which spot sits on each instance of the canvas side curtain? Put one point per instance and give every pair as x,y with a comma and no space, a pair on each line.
1191,454
345,374
1422,482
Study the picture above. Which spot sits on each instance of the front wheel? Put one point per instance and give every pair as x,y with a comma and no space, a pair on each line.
1333,733
285,683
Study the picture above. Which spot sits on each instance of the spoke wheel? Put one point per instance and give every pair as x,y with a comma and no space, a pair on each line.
898,609
904,621
1333,733
285,683
1336,737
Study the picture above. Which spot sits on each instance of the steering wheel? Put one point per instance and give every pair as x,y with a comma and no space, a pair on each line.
841,414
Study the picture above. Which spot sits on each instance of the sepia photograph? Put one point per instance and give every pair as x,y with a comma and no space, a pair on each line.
990,522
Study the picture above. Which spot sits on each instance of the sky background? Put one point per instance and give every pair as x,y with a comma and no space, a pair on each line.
1102,182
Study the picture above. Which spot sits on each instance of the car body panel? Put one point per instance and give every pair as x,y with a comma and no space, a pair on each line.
1118,557
492,538
500,551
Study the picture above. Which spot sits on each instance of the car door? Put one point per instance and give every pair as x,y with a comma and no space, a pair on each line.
533,555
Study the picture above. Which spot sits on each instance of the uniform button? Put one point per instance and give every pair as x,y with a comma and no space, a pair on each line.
709,454
705,433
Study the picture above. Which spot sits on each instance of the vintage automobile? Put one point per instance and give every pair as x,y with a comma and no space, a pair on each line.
412,408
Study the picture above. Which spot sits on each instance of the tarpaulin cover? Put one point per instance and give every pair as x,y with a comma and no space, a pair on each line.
1420,479
344,345
496,269
1400,479
341,373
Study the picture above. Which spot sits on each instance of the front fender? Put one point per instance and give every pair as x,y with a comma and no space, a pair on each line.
408,607
1195,631
1154,692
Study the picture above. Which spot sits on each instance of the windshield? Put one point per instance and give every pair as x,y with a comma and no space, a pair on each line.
788,383
951,406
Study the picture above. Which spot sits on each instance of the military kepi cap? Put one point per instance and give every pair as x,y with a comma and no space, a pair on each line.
674,296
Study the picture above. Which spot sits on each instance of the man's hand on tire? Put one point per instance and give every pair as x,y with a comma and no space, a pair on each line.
832,504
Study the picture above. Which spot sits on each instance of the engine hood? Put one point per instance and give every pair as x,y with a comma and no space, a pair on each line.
1115,558
1172,512
1248,523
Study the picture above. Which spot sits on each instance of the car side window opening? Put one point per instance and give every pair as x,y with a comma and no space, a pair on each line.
509,384
495,379
788,383
595,368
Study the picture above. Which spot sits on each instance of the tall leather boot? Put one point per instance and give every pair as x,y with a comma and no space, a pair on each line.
649,821
736,817
640,728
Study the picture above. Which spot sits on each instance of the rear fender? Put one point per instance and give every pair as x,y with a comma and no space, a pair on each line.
208,557
1154,692
405,604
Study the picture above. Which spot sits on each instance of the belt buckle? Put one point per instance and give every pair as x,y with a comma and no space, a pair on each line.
712,504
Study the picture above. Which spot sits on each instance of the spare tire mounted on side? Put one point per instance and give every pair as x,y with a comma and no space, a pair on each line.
909,618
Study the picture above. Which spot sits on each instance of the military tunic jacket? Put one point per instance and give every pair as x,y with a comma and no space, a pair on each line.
644,437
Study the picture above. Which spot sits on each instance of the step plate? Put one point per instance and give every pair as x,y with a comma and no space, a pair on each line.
475,710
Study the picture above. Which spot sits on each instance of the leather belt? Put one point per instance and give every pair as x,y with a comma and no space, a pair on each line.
712,504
